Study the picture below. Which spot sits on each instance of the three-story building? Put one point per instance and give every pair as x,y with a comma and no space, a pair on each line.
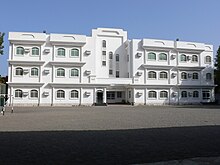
106,67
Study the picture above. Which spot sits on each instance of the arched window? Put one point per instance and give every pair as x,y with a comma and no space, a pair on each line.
34,71
208,76
195,94
152,94
183,75
151,56
35,51
110,55
162,57
182,57
18,71
152,75
34,93
74,94
18,93
20,51
74,53
74,73
60,94
163,94
194,58
104,43
183,94
208,59
163,75
61,52
195,76
60,72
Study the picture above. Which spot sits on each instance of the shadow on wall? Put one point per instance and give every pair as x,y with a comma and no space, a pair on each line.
109,147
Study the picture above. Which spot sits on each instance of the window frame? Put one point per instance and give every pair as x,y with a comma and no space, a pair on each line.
76,93
185,96
149,59
16,50
195,73
59,90
197,94
185,57
197,59
208,78
162,72
32,49
154,94
22,71
162,96
57,72
207,61
74,49
207,92
34,90
182,76
154,78
37,72
58,49
117,59
77,72
160,57
20,95
104,43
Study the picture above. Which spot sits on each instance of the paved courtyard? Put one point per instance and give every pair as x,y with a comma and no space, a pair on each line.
112,117
111,135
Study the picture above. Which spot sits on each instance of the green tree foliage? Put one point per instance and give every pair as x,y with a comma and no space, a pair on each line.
217,70
1,43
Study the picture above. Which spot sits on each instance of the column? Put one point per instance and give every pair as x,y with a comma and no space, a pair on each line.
94,95
104,95
81,97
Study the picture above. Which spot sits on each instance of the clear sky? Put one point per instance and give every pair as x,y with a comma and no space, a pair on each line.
188,20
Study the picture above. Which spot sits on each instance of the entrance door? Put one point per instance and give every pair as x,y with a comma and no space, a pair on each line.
99,97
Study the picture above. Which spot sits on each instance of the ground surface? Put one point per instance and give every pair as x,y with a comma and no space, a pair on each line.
108,135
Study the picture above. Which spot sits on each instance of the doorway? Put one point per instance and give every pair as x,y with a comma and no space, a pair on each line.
99,97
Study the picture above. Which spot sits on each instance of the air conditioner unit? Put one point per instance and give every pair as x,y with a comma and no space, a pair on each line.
189,57
88,72
46,50
139,54
189,75
46,71
46,93
139,94
26,50
26,71
189,94
174,74
87,93
139,73
174,94
173,56
25,93
87,52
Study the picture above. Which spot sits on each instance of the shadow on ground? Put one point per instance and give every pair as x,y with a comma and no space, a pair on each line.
109,147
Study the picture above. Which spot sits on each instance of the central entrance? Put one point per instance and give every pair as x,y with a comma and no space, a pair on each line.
99,97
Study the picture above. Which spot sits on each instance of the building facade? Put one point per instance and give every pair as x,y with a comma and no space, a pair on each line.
106,67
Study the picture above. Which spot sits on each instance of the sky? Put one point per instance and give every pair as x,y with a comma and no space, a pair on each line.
188,20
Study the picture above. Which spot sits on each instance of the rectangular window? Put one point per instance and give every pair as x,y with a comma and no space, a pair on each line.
110,72
110,95
127,57
129,94
104,53
117,57
119,94
206,95
117,74
103,63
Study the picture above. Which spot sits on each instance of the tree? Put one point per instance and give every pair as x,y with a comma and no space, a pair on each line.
1,43
217,71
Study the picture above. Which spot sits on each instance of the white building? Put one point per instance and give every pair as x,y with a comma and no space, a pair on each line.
68,69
